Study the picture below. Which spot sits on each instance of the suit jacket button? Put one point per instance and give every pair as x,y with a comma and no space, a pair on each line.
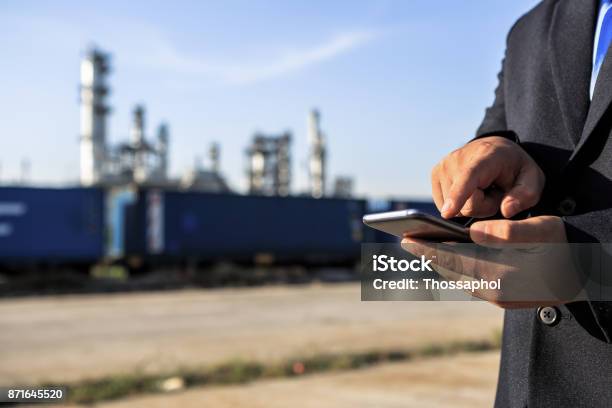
548,315
567,206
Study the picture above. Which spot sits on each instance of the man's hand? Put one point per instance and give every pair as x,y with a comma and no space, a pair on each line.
485,175
530,257
545,229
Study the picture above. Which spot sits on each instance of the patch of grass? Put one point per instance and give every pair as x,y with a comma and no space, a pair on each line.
111,388
240,372
114,272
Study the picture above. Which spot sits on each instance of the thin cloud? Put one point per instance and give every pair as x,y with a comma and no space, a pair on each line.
140,44
250,72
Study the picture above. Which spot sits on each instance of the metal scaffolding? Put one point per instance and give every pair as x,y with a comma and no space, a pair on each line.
270,165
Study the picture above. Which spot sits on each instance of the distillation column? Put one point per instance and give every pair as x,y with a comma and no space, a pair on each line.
317,155
93,93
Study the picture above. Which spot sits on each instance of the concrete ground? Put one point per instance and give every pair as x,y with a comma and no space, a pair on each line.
71,338
466,380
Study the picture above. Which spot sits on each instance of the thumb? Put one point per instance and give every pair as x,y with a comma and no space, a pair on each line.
526,191
495,232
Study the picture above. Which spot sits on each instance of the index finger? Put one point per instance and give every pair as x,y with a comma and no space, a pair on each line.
463,187
460,191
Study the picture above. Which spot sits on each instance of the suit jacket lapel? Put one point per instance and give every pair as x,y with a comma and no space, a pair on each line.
571,43
602,97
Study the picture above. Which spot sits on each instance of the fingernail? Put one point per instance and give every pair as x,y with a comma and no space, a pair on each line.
448,203
513,208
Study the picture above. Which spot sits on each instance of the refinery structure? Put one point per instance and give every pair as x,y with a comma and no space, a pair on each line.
139,160
143,161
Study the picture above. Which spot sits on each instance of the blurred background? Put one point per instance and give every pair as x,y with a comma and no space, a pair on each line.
181,193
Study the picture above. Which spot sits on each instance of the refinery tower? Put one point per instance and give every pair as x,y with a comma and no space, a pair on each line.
317,157
138,160
94,110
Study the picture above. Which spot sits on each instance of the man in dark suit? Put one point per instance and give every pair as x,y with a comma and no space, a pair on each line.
544,145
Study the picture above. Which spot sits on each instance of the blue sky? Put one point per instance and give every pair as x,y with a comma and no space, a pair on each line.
398,83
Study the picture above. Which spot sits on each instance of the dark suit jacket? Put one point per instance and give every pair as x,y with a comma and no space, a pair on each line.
542,102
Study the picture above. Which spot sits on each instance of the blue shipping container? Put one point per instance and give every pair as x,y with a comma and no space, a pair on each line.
234,226
51,225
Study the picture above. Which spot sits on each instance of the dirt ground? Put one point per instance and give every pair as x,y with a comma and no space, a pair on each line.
70,338
466,380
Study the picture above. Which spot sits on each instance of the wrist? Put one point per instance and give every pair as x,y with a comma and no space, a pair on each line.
506,134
